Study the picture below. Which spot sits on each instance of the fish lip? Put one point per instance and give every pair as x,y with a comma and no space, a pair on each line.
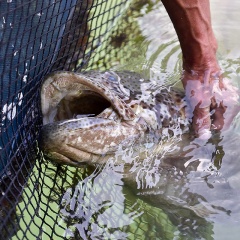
76,163
70,161
54,84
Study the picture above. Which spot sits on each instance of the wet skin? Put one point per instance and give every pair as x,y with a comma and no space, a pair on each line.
88,117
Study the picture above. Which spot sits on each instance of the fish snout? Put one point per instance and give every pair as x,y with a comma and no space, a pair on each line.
50,142
87,140
53,142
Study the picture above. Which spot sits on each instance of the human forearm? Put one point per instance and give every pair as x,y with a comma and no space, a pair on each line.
192,22
211,100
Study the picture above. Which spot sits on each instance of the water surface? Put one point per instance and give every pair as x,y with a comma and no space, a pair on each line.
190,189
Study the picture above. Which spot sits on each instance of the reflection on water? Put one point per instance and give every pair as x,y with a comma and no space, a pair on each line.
193,195
226,27
190,189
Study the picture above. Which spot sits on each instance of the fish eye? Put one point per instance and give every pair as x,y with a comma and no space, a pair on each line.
112,77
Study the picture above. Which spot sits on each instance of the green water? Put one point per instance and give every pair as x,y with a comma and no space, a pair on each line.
190,195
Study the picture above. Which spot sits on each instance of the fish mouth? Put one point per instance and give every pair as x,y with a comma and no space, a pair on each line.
73,107
65,95
88,104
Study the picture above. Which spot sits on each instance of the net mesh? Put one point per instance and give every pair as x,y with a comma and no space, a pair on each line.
38,37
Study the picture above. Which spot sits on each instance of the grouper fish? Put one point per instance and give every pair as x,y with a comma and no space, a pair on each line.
88,116
122,121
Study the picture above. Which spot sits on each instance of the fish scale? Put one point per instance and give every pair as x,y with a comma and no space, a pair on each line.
132,111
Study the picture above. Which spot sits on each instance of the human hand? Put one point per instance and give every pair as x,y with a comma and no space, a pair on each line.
212,101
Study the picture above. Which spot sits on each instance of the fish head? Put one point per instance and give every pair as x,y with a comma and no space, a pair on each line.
86,117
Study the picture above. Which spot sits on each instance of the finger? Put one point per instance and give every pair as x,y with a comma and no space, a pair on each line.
213,104
228,116
223,107
218,118
201,120
206,78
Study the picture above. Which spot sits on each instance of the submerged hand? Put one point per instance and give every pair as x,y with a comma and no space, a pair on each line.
212,101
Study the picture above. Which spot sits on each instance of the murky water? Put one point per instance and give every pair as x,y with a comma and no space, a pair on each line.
189,189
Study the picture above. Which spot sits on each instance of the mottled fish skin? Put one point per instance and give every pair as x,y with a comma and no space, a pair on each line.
131,114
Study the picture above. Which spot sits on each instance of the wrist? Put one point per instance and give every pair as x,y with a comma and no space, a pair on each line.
201,65
203,75
199,53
